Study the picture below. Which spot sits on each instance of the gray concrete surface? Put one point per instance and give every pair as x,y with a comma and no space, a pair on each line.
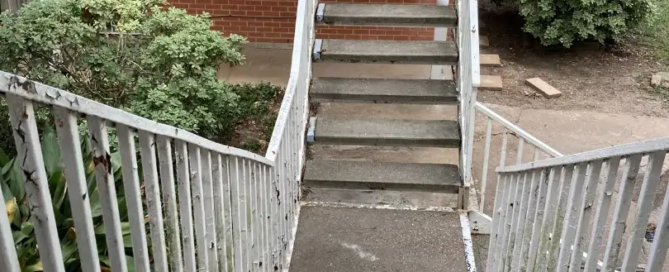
411,200
358,131
384,90
365,240
382,51
384,176
388,111
398,154
389,15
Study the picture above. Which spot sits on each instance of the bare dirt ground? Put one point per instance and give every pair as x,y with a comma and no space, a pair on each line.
611,80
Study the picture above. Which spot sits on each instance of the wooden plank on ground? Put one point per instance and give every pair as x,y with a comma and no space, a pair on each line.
483,41
490,60
493,83
544,88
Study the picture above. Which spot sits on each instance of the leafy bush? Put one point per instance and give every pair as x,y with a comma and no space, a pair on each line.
565,21
157,62
14,195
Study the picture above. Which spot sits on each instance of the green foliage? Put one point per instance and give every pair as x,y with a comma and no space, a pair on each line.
157,62
567,21
14,195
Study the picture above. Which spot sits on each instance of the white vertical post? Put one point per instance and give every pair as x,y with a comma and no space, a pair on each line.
107,191
68,138
29,152
147,146
8,260
126,143
198,205
618,225
209,217
603,203
170,200
185,205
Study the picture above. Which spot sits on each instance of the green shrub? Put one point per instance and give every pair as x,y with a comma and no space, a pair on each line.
157,62
564,22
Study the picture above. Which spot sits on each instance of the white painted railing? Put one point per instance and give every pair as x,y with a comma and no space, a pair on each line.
209,207
538,148
570,197
468,79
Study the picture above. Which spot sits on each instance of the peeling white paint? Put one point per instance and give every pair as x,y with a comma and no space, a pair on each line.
362,254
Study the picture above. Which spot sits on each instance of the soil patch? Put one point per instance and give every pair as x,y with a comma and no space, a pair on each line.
590,77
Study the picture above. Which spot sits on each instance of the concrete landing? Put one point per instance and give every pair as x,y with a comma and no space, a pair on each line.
387,132
365,240
389,15
383,90
382,51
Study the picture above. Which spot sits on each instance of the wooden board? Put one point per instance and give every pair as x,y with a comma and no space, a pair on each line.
493,83
490,60
543,87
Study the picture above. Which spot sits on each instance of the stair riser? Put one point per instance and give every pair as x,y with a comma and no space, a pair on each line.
387,141
389,59
390,22
348,98
339,184
399,199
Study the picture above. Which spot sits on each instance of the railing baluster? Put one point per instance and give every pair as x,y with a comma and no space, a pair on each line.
547,224
236,193
645,205
496,238
622,209
545,176
566,180
571,217
253,212
198,205
29,152
221,211
260,210
209,217
524,188
585,213
486,157
126,143
512,183
185,205
602,213
152,190
658,250
247,239
275,216
527,214
70,145
170,202
8,259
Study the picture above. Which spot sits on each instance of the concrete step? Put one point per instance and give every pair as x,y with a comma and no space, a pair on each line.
383,51
374,240
394,154
386,15
410,91
382,176
354,131
386,111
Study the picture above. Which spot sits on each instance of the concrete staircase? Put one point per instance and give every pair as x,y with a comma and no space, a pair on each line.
376,143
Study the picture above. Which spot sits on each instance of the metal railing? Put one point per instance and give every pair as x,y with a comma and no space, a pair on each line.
554,214
209,207
539,148
468,79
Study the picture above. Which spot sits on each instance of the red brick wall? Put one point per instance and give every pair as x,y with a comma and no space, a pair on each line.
273,21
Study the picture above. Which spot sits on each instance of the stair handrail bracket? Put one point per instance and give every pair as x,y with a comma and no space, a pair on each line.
563,213
209,207
469,78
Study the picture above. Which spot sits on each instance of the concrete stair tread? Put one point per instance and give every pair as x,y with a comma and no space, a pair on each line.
358,131
388,14
384,90
381,175
384,51
375,240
